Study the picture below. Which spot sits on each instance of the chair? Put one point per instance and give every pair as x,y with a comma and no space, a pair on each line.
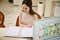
17,21
2,20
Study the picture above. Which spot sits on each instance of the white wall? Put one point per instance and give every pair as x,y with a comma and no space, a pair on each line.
11,12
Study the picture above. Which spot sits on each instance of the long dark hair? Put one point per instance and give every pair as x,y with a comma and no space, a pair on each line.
29,4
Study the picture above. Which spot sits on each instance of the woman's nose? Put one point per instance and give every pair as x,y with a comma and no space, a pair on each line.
24,10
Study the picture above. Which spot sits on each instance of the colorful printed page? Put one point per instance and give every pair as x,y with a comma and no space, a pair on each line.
47,29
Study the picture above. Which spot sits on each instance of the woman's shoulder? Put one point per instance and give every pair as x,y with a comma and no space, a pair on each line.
37,16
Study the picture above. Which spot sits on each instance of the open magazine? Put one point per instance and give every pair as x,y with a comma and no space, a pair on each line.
47,29
19,32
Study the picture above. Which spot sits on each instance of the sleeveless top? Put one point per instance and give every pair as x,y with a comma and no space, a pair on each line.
26,18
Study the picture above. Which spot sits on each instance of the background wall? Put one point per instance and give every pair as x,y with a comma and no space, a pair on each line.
12,10
50,7
57,9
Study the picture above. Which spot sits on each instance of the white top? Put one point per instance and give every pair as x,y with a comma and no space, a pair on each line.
26,18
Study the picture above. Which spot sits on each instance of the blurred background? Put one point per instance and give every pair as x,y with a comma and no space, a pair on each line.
12,9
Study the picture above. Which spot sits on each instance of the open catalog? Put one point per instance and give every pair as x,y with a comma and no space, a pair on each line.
47,29
19,32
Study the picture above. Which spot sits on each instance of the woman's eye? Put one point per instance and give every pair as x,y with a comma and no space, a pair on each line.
25,8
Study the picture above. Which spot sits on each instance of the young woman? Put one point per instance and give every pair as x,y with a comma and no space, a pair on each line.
27,16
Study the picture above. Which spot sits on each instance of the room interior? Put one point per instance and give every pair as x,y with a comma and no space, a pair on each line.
11,10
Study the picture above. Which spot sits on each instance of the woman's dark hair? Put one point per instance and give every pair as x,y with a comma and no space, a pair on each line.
29,4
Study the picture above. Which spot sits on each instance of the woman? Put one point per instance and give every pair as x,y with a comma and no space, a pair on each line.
27,15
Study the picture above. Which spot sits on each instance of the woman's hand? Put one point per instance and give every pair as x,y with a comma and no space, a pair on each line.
30,25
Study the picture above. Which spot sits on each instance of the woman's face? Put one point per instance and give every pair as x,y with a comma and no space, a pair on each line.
25,8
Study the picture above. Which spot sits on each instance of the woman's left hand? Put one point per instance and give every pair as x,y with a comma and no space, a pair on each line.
30,25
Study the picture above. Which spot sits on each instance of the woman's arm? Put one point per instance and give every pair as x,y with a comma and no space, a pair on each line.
18,23
37,16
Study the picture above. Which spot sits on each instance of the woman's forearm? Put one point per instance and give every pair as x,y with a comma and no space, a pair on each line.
23,25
